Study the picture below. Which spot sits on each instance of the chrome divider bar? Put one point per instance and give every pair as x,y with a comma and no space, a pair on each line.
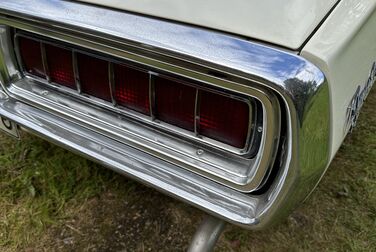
44,61
197,111
75,71
152,94
111,80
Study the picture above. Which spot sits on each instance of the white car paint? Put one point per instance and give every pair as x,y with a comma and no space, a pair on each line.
344,48
286,23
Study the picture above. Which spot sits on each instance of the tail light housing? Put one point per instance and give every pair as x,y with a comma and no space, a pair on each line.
223,118
213,131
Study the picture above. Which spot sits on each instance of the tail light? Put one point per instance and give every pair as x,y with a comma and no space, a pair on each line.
132,88
31,56
60,66
175,103
206,114
94,76
224,119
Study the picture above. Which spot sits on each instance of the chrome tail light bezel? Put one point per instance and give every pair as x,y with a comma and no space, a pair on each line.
248,151
231,167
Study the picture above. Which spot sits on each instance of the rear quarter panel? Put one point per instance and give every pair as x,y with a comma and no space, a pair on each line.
344,48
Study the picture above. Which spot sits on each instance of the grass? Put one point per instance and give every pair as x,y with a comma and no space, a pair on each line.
37,180
51,199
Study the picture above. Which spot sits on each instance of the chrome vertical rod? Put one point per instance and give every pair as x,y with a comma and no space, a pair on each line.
111,80
152,94
75,71
44,61
197,112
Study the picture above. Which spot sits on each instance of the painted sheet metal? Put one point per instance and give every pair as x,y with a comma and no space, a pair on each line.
287,23
344,48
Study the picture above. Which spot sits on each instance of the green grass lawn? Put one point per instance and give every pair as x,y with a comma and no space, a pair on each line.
51,199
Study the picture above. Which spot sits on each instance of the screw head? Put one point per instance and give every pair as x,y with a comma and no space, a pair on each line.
200,152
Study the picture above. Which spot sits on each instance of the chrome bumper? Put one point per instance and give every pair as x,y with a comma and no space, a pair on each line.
128,161
300,86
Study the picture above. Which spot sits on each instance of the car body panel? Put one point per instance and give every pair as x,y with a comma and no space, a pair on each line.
285,23
344,48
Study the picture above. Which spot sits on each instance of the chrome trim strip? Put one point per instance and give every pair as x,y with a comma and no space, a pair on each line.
44,61
197,112
152,95
9,67
111,79
191,51
17,54
75,71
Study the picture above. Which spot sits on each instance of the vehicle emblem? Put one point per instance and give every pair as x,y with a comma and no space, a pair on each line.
358,99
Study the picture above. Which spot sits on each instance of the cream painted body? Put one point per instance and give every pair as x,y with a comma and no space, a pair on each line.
287,23
344,48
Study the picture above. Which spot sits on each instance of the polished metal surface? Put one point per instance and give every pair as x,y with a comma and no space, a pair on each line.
207,235
8,67
152,94
222,60
111,78
44,61
75,70
126,160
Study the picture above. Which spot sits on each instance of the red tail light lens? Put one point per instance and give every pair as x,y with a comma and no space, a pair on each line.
94,76
175,103
132,88
220,117
224,119
60,66
31,55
